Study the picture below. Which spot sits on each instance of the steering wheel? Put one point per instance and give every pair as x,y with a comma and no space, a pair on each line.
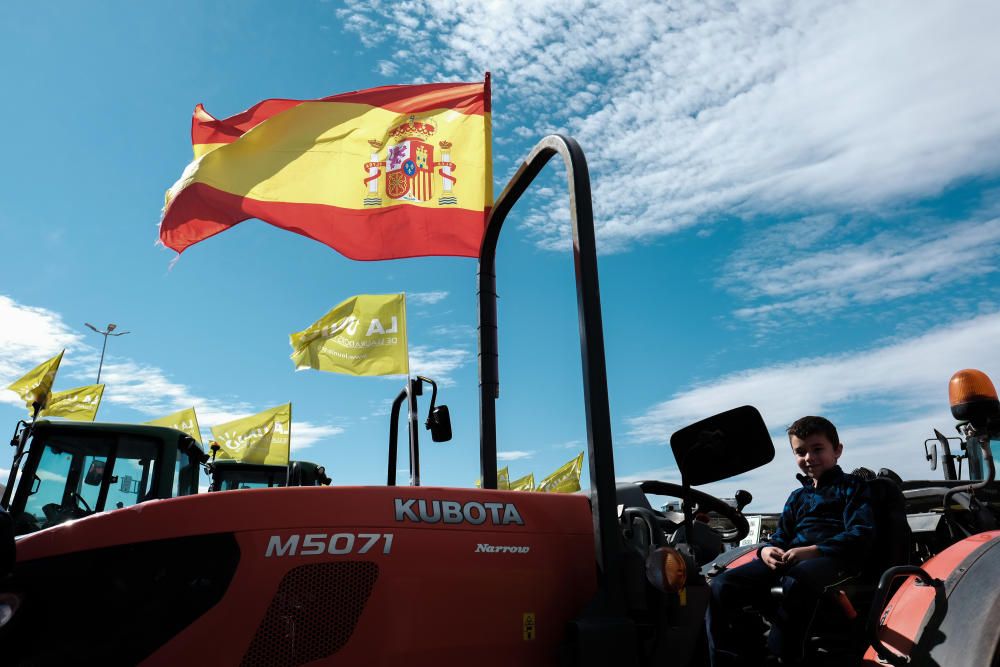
80,501
706,503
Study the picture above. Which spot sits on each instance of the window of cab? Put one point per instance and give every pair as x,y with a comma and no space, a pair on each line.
79,474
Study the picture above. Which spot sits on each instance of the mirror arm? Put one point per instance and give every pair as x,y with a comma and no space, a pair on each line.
434,395
984,443
686,504
947,460
394,436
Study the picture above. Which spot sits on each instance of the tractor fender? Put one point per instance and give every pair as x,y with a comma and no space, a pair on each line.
955,622
730,559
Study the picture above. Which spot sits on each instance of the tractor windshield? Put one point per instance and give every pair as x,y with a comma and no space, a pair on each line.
80,474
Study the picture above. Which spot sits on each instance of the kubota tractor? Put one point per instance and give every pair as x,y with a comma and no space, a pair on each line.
396,574
385,575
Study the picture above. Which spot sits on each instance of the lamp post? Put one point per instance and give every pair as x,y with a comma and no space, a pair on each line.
107,332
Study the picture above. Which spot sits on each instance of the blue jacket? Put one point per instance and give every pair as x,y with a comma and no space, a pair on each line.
836,516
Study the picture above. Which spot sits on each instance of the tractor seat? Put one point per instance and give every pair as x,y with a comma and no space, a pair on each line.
891,547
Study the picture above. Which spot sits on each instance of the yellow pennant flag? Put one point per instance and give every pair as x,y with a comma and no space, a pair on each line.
526,483
503,480
365,335
183,420
262,438
36,385
78,404
566,479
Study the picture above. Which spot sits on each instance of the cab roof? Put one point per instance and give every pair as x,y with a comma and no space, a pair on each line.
162,433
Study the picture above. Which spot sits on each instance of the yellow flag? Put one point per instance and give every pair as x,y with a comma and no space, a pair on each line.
365,335
526,483
262,438
503,478
36,385
566,479
78,404
184,420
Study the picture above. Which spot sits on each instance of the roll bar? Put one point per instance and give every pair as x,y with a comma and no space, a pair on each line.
595,387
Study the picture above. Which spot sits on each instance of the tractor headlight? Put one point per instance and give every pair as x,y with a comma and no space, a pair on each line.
666,569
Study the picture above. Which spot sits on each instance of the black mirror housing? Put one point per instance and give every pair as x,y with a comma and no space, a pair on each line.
931,451
95,474
722,446
439,423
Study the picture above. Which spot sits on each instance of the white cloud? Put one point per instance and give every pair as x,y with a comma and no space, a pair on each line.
906,378
515,455
570,444
387,67
455,331
307,434
437,363
29,336
804,266
696,109
426,298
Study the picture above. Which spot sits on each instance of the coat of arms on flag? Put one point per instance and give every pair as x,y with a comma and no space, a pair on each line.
409,163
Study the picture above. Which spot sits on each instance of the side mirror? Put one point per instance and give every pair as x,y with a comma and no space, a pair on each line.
931,452
95,474
722,446
439,423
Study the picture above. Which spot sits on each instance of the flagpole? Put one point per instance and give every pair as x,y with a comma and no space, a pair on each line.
413,389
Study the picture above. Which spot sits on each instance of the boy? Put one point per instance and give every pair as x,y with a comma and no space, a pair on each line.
823,535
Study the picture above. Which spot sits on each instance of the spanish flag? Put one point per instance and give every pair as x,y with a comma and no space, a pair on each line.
385,173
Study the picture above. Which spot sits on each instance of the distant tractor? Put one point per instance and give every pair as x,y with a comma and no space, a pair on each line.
64,471
228,475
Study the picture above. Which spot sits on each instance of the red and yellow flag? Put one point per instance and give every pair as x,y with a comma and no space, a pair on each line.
390,172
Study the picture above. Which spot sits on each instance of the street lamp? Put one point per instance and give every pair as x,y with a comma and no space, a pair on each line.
105,333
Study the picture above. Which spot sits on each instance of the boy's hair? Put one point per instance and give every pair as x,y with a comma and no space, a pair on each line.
804,427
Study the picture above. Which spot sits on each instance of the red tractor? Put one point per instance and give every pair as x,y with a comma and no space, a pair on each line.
381,575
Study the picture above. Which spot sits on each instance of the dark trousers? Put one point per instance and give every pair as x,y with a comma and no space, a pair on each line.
735,637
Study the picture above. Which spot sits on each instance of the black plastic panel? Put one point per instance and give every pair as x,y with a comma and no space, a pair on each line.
114,606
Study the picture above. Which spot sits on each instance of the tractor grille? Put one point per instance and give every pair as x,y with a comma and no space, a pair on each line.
313,614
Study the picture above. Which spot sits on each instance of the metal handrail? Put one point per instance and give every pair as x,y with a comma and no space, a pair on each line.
886,654
595,389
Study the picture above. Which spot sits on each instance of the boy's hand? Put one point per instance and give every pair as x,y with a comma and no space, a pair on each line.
799,554
773,557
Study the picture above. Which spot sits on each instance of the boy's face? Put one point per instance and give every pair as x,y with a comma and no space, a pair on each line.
815,454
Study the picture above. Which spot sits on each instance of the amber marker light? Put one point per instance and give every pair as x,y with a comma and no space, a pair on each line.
666,569
972,396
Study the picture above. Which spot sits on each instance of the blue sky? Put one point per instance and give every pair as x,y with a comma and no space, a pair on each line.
798,207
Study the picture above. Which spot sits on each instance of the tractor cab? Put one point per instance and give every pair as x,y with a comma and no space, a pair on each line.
69,470
228,475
